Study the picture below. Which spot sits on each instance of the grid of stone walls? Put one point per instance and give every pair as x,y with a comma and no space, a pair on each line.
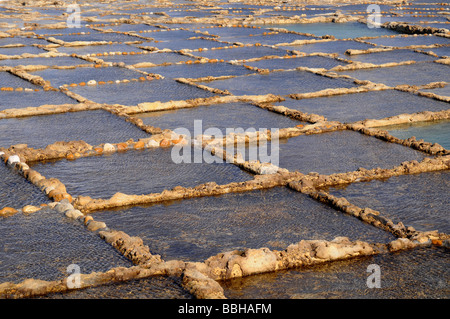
107,94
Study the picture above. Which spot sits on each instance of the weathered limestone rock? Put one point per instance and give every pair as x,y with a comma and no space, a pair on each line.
22,167
49,109
424,116
51,184
30,77
8,211
401,244
207,189
13,159
108,148
365,86
160,106
29,209
144,65
121,199
19,146
59,196
33,287
359,65
262,168
74,214
404,27
132,248
87,219
427,237
94,225
81,201
63,206
53,151
340,248
371,50
201,285
139,145
73,147
253,261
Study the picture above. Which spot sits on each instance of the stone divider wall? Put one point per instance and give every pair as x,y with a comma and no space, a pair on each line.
201,278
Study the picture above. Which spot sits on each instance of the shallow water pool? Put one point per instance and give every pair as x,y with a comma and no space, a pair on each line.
60,77
415,200
155,58
338,46
16,191
43,244
57,61
198,70
292,63
392,56
401,274
93,127
133,93
241,53
333,152
288,82
195,229
18,100
434,131
158,287
410,40
224,117
414,74
138,172
10,80
348,108
338,30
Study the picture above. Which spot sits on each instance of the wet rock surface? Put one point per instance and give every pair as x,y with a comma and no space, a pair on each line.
348,278
88,117
272,218
413,209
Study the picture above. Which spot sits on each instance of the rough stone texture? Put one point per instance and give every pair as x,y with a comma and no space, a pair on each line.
360,65
311,181
368,86
201,285
95,225
306,252
412,28
74,214
29,209
406,118
400,244
200,278
34,287
48,109
131,247
163,106
76,149
367,127
209,189
8,211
